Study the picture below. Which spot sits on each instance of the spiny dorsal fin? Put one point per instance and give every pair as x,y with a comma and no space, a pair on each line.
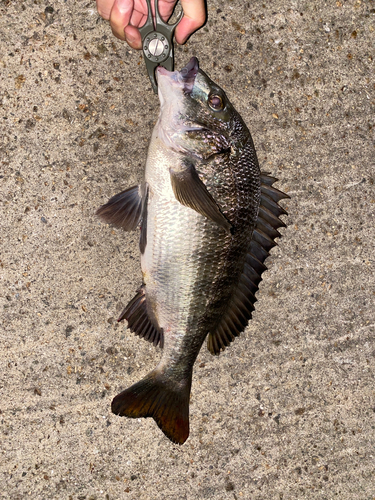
241,305
266,179
272,219
263,239
273,193
139,320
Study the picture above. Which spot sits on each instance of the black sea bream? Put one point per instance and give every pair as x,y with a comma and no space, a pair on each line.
208,219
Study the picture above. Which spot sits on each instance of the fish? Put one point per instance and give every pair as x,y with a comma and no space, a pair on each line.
208,219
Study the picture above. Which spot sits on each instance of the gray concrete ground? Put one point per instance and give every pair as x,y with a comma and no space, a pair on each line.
288,411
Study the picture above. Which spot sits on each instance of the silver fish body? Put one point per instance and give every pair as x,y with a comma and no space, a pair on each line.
209,218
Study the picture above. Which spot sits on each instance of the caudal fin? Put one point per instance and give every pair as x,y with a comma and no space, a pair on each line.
156,396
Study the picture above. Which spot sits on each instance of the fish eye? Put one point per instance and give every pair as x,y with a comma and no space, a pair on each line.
215,102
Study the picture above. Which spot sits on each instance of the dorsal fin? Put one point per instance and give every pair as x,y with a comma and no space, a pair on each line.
139,320
241,305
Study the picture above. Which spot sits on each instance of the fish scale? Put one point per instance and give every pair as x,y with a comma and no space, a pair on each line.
208,221
166,257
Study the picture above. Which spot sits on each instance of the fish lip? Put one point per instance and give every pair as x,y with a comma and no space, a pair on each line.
184,78
191,69
160,70
188,74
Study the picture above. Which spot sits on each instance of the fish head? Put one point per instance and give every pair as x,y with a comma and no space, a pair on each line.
196,115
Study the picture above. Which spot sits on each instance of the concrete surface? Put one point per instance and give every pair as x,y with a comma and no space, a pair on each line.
288,411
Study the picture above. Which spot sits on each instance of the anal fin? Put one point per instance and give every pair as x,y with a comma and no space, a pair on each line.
139,320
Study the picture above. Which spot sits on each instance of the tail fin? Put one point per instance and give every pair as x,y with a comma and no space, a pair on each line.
159,397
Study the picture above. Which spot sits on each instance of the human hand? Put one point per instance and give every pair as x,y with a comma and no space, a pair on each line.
126,16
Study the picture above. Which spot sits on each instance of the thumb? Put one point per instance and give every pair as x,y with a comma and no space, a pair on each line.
194,17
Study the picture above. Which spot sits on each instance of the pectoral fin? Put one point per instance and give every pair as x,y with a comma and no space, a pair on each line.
125,209
190,191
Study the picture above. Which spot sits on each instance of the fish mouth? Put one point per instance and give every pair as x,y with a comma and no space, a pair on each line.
181,79
175,89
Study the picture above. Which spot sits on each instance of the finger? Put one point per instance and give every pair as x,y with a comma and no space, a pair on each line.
138,18
104,8
194,18
166,8
120,17
133,37
132,34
